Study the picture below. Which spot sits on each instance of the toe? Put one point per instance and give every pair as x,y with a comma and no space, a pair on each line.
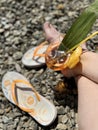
50,32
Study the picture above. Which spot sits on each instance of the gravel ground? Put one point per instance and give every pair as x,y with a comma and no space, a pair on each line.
20,29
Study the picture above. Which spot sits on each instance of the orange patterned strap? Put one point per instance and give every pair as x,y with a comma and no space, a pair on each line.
38,48
14,94
42,44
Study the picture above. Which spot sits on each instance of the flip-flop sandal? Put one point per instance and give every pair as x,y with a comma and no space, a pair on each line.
28,58
35,57
20,92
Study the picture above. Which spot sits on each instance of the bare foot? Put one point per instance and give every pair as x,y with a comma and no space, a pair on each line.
51,34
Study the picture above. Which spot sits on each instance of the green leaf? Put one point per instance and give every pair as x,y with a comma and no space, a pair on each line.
80,28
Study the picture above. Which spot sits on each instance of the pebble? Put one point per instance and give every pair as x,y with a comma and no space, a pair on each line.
10,127
1,111
18,127
61,110
1,30
1,126
18,67
64,119
61,127
16,122
0,119
18,55
5,119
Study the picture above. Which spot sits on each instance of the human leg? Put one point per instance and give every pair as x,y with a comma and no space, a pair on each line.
87,104
87,89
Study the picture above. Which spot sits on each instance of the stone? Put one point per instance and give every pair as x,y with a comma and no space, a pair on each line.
64,119
61,110
17,55
5,119
1,111
18,68
1,126
61,127
1,30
